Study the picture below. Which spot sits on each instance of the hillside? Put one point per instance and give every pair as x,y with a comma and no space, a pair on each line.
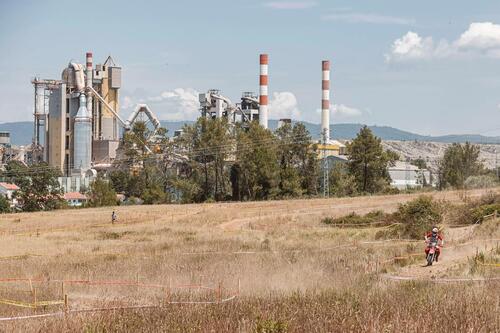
21,132
433,151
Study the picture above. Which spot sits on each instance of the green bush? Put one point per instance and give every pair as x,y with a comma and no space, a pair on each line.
477,214
474,211
418,216
353,218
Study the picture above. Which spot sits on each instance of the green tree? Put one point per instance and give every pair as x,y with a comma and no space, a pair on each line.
256,167
288,158
208,143
102,193
297,158
342,184
139,174
368,162
39,187
154,194
4,205
120,180
459,162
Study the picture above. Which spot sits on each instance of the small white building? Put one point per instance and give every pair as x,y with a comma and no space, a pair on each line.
405,175
7,190
75,199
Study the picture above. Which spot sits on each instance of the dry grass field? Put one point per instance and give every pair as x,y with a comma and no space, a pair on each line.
287,271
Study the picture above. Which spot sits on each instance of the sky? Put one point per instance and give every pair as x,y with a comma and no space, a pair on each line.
430,67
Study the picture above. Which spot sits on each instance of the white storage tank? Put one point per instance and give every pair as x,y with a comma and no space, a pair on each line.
82,138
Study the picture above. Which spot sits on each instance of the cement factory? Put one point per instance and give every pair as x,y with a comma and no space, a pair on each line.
78,126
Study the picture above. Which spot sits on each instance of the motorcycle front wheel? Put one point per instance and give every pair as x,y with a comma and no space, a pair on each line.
430,259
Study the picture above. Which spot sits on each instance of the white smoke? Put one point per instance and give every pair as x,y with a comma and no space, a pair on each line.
178,104
284,105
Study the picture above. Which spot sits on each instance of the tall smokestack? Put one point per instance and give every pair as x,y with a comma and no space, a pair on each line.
264,61
325,101
89,81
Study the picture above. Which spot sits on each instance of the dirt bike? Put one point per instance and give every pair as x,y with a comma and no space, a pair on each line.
431,256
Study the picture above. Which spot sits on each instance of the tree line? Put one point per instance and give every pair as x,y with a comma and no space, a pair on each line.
212,161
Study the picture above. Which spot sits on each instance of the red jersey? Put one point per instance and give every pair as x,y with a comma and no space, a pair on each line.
429,235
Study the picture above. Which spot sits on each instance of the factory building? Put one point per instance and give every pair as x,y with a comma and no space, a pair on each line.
76,130
404,176
252,107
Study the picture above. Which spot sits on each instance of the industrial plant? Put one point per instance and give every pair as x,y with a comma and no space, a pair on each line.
78,126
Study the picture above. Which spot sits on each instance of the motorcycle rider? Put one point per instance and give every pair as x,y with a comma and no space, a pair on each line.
431,237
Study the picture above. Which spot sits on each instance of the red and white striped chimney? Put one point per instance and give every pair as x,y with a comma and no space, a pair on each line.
263,91
88,58
325,101
88,83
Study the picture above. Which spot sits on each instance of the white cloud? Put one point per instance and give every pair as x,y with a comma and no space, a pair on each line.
284,105
352,17
410,47
290,4
481,36
344,111
178,104
480,39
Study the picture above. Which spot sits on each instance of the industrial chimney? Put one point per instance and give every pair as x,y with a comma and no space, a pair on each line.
88,83
264,61
325,101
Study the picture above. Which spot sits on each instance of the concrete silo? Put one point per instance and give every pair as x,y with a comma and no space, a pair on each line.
82,137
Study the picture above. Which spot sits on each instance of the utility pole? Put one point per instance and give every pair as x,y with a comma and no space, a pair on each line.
496,161
326,181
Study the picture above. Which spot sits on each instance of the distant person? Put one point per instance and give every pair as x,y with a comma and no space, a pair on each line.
113,217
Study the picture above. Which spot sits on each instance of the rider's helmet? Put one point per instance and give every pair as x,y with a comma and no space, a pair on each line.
435,230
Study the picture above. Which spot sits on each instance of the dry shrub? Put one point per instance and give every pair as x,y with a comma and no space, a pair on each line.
473,211
353,219
416,217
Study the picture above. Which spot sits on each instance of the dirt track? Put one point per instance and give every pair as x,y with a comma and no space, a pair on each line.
459,247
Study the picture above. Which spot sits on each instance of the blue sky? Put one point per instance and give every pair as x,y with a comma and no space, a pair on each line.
425,66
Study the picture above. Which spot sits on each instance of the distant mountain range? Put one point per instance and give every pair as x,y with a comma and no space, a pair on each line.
22,132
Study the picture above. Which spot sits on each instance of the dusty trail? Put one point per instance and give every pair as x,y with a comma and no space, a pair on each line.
459,247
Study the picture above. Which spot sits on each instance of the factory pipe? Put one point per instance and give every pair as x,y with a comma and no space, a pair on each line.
79,77
99,97
325,101
263,90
